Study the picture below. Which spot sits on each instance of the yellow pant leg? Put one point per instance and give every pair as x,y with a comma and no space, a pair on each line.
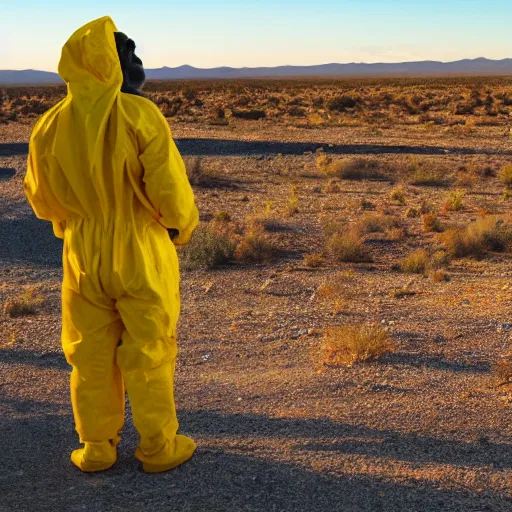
91,331
148,353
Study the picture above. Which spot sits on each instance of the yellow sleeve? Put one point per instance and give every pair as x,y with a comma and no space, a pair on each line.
38,192
165,178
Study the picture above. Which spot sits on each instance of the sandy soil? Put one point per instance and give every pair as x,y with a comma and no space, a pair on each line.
425,429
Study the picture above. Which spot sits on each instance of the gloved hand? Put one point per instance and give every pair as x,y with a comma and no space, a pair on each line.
173,233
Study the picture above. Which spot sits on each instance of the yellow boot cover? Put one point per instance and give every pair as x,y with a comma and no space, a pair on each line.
169,457
95,456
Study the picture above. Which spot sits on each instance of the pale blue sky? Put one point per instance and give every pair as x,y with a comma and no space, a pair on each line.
261,33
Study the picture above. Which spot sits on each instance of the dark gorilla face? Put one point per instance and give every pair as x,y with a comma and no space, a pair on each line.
131,66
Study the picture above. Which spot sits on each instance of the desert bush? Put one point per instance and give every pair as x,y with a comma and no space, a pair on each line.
332,187
352,168
440,275
398,195
347,246
431,223
412,212
350,344
505,175
211,245
416,262
425,174
222,216
23,304
195,171
420,261
503,369
454,201
376,223
292,205
315,119
313,260
486,234
254,246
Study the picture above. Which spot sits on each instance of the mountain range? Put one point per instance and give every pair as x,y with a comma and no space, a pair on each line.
480,66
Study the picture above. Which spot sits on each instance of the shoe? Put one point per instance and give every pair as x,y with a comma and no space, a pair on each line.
95,456
169,457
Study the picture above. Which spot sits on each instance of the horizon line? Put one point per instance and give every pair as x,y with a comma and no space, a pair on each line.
297,65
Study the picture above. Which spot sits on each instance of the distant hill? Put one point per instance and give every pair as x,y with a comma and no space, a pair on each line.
480,66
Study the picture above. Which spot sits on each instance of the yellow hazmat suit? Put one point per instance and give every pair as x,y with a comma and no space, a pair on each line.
103,168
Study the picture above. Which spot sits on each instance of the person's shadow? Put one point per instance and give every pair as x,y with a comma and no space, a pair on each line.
233,474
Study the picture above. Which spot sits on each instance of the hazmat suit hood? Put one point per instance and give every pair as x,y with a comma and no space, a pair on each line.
89,62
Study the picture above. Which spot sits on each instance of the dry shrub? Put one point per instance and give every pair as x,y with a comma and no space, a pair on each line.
315,119
416,262
332,187
211,245
195,171
24,304
454,201
423,173
473,240
412,212
439,276
431,223
503,369
292,205
377,223
254,246
313,260
505,175
367,205
420,261
350,344
351,168
398,195
347,246
222,216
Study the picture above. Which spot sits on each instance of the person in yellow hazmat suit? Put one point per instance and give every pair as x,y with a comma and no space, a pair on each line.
104,169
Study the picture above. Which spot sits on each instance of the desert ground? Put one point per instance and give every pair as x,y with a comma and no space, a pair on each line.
346,304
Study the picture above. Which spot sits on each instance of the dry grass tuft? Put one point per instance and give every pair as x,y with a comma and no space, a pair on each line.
431,223
416,262
475,239
398,195
24,304
254,246
195,171
350,344
423,173
454,201
420,261
439,276
211,245
505,175
313,260
292,205
352,168
347,246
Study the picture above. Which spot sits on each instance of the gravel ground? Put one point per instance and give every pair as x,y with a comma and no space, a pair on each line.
425,429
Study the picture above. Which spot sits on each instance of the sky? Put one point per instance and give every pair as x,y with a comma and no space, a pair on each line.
252,33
